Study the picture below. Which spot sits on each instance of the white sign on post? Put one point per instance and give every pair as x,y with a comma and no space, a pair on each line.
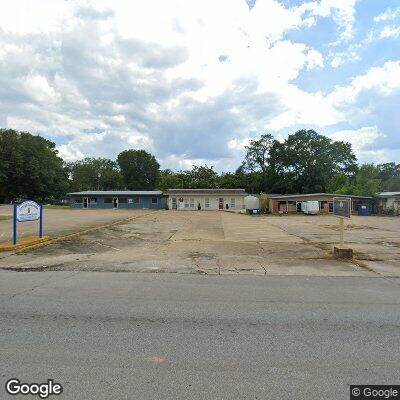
28,211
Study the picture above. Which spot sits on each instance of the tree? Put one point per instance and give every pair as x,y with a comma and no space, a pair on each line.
30,168
95,174
202,177
310,159
169,180
140,170
367,182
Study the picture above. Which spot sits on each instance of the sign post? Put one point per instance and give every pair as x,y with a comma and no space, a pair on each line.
342,209
27,211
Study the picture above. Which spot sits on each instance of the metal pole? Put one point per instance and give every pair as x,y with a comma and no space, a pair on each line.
341,232
15,225
41,222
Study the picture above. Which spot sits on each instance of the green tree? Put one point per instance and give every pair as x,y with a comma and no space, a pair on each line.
140,169
367,182
30,168
202,177
170,180
310,159
95,174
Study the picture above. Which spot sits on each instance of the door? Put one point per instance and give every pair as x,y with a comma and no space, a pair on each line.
174,207
330,205
221,203
115,202
85,202
298,206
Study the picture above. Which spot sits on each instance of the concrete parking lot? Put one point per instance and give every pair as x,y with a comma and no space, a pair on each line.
217,243
60,221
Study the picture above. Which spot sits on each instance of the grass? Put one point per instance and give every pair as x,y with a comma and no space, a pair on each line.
56,207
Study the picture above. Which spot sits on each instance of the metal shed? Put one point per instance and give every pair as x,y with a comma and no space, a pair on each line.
114,199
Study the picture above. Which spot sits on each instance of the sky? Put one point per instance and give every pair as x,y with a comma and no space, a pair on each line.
193,81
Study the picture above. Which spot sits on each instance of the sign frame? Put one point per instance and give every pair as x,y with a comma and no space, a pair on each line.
17,217
346,212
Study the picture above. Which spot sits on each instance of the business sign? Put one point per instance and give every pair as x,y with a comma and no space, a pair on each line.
342,207
28,211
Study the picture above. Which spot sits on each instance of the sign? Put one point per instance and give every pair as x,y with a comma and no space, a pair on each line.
342,207
28,211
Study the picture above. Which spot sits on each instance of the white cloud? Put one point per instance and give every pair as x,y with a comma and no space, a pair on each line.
359,138
388,15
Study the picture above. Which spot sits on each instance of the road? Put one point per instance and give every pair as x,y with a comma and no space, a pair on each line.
106,335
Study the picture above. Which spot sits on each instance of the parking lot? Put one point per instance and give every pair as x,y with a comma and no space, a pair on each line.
215,243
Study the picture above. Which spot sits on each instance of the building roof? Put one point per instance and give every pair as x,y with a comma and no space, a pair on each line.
388,194
240,192
286,196
117,193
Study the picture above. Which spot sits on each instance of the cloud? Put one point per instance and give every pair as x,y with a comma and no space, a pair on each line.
388,15
188,82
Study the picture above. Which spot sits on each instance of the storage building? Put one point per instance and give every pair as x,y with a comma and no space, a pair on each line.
388,203
152,199
206,199
291,203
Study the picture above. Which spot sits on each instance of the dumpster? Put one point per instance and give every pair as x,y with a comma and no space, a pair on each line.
364,210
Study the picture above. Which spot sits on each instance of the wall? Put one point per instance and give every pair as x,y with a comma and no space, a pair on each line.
213,202
145,202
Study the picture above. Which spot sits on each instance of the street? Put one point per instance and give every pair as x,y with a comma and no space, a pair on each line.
110,335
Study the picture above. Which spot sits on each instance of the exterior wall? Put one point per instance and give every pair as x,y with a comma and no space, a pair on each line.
288,204
389,205
201,199
123,202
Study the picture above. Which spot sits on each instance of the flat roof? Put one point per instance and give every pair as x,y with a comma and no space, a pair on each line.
286,196
117,193
206,191
388,194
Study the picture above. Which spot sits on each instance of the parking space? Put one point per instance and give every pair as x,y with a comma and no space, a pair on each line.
217,243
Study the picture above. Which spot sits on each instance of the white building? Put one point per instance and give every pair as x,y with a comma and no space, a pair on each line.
206,199
388,203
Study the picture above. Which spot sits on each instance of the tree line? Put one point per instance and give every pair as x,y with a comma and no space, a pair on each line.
306,162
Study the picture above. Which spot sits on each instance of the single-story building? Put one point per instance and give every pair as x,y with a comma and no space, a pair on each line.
205,199
291,203
388,203
117,199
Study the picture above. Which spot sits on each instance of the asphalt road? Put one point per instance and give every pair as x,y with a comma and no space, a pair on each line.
164,336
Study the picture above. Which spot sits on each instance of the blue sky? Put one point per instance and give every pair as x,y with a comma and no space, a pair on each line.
195,81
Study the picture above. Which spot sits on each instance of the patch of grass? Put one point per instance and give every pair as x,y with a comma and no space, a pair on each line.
55,207
5,217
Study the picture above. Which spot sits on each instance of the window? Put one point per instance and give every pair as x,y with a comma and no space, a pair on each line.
130,201
93,200
207,202
136,200
191,203
154,200
78,200
107,200
233,203
186,202
123,200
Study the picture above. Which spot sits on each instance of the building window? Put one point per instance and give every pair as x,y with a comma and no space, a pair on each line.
154,200
108,200
207,202
191,203
93,200
233,203
186,202
78,200
136,200
123,200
